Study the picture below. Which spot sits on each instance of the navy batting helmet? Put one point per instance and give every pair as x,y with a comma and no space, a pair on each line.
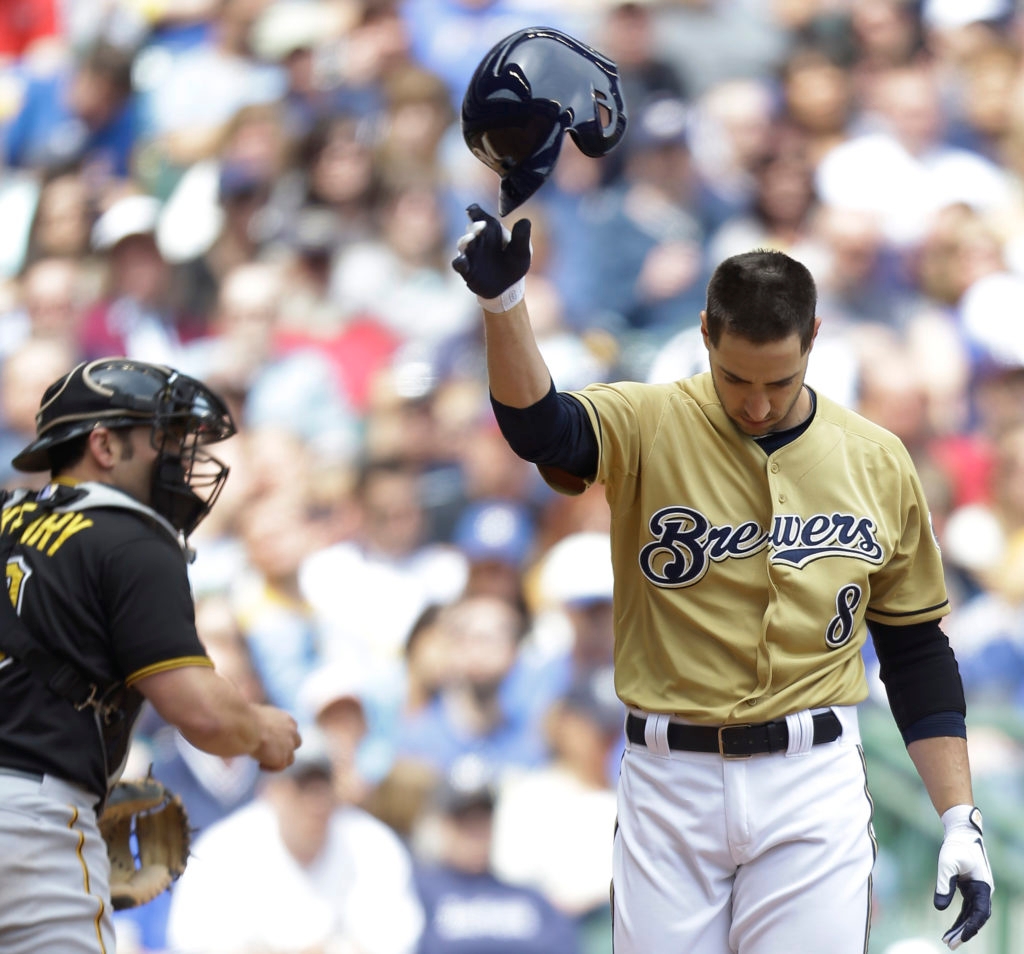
530,89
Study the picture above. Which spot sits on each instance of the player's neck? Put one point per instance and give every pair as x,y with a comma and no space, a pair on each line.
802,409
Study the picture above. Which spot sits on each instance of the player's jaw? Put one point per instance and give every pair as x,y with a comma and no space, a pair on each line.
760,385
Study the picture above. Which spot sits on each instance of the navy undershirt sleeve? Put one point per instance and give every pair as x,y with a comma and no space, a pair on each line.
922,680
554,432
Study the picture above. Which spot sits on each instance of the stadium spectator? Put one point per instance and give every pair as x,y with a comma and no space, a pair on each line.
295,870
81,117
468,909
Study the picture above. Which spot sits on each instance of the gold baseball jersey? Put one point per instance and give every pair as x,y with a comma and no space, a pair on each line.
743,581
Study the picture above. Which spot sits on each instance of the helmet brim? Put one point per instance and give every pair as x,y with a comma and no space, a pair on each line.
34,458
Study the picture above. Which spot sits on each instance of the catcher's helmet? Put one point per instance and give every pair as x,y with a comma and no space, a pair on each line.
529,90
122,392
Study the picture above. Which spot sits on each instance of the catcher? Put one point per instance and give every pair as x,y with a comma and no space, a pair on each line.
100,619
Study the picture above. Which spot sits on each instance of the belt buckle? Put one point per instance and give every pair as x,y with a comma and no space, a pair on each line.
721,742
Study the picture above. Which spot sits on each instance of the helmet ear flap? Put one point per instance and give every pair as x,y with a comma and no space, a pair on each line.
592,137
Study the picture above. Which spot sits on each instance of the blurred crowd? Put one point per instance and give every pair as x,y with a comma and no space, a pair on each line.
267,195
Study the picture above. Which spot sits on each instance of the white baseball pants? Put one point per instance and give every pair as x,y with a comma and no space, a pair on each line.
767,855
54,871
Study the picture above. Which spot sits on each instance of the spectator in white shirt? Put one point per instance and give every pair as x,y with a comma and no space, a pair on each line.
296,871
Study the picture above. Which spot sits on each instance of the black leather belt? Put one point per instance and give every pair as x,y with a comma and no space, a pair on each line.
735,741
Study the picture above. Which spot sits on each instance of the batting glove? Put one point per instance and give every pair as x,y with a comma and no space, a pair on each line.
494,261
963,864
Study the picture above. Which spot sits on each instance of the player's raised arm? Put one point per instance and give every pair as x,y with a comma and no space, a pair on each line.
494,262
539,424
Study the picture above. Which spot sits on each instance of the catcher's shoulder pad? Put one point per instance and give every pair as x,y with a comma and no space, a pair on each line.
144,866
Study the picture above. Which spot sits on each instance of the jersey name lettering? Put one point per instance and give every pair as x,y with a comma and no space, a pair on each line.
686,543
47,532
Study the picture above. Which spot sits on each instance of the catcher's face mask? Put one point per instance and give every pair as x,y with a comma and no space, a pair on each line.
186,479
183,414
527,92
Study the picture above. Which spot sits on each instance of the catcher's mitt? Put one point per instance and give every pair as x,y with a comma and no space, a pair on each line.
147,833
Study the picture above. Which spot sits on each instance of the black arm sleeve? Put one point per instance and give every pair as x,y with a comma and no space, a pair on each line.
921,678
554,432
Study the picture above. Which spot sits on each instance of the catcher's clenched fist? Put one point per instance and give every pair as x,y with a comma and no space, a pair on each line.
279,738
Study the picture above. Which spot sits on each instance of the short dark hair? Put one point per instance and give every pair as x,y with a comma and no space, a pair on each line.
65,455
112,63
763,296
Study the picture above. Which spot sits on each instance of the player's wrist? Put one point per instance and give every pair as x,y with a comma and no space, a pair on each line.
961,816
507,300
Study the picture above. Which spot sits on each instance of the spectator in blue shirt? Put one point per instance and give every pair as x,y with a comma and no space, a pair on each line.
471,715
469,910
82,117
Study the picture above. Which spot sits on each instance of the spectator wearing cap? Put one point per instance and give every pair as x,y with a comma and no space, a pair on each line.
353,709
496,537
571,596
469,909
224,209
554,824
135,317
297,871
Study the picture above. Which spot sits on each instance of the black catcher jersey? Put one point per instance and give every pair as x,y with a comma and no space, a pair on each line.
100,581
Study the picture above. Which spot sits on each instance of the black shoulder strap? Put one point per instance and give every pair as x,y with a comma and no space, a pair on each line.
60,676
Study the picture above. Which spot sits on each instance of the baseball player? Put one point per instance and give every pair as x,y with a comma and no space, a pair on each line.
758,528
96,572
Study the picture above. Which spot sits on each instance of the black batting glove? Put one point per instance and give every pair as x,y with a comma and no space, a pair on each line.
963,864
493,261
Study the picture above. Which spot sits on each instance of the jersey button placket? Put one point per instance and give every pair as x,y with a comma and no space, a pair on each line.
774,468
